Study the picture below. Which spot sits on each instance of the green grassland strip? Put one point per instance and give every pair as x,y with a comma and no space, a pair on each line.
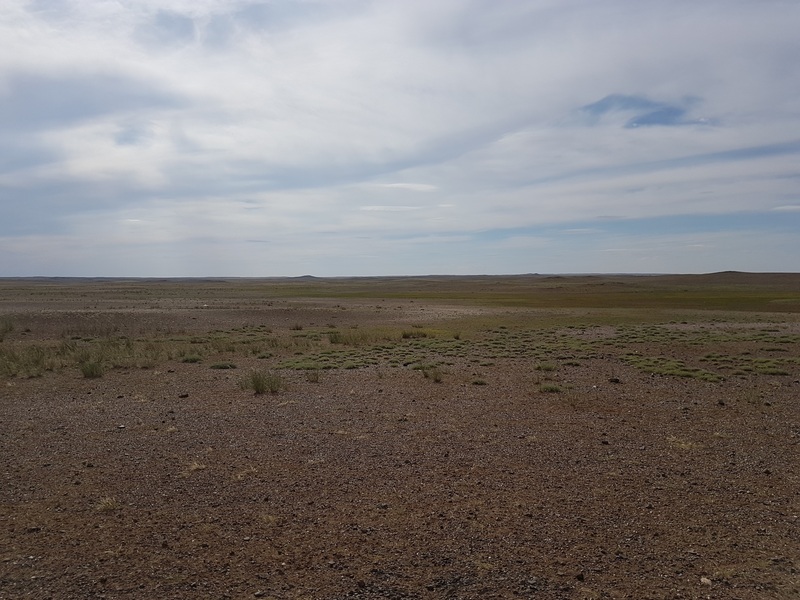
536,334
662,365
722,291
536,345
563,292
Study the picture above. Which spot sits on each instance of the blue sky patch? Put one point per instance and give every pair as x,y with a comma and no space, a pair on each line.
645,112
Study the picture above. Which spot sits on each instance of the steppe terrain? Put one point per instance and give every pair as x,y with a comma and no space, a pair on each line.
438,437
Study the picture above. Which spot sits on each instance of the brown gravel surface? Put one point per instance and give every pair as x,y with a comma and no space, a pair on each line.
377,482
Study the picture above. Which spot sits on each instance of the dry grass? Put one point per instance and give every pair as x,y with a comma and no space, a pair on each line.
193,467
107,504
244,473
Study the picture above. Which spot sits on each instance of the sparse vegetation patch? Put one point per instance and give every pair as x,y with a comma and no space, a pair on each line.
262,382
166,481
91,369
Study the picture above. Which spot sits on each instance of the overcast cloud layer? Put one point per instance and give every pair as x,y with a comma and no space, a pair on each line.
360,137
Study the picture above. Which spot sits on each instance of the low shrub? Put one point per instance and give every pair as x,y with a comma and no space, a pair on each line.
91,369
263,381
6,327
549,388
433,373
411,335
226,365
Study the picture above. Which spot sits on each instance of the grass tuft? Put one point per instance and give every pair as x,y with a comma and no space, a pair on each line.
433,373
91,369
107,504
263,381
6,327
413,335
549,388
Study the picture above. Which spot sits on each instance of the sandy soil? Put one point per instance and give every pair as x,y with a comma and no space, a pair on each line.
377,482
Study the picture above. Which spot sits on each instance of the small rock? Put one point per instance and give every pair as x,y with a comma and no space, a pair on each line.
259,594
120,426
183,395
705,581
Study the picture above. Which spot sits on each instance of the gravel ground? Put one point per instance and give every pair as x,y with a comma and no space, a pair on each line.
377,482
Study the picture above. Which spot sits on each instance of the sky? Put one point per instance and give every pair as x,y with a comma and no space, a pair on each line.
167,138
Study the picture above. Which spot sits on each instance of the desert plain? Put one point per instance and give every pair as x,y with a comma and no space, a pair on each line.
529,436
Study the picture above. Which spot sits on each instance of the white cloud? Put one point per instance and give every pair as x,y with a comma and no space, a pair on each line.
413,187
390,208
218,121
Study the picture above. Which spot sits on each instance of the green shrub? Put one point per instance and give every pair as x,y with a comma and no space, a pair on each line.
410,335
263,381
30,361
91,369
433,373
549,388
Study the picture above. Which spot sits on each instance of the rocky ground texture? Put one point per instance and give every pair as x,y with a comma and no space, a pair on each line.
505,477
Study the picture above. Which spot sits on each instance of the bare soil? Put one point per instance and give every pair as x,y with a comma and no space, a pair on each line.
379,481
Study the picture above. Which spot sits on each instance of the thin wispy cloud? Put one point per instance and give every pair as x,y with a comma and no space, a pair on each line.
414,187
390,208
284,137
